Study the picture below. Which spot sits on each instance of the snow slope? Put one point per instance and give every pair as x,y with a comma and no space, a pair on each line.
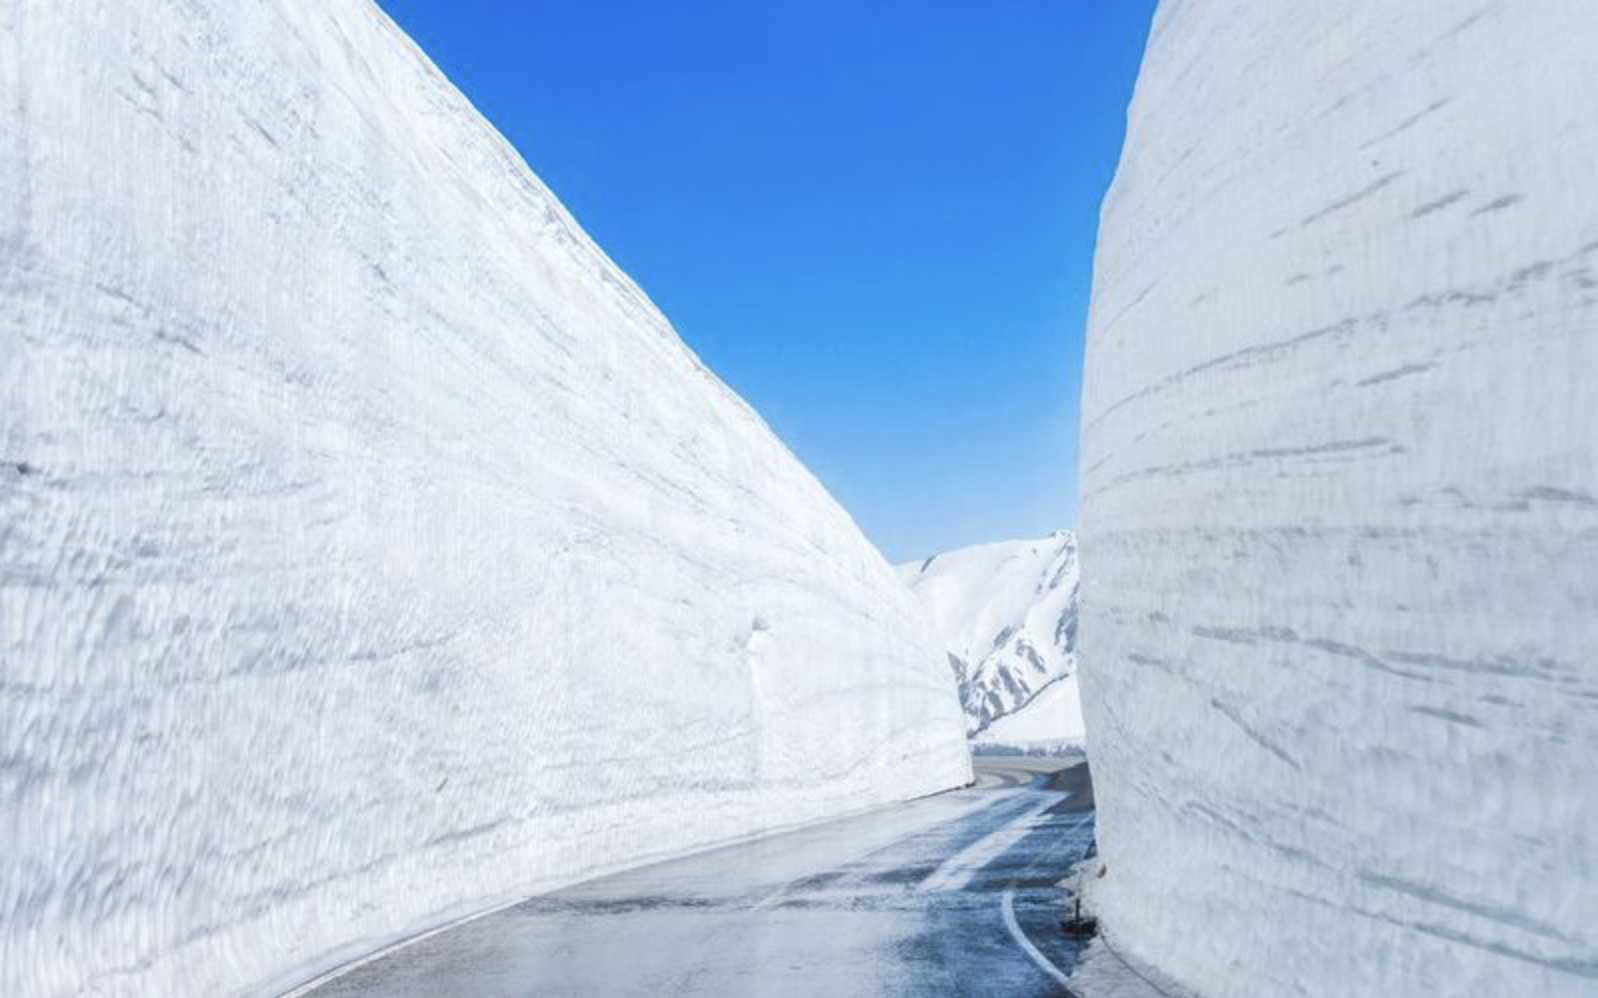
370,547
1007,612
1340,517
1052,719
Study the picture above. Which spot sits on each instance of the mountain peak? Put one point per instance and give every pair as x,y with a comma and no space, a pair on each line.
1007,612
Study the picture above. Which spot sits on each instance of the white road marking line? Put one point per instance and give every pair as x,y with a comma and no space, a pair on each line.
1007,902
329,976
841,866
956,871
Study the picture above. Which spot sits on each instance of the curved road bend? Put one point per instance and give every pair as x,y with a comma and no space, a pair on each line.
950,895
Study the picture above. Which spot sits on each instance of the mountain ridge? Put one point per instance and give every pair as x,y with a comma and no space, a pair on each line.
1007,611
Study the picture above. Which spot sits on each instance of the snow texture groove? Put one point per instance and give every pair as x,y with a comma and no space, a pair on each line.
371,548
1340,515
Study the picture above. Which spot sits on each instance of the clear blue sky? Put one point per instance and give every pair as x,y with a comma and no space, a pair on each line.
875,221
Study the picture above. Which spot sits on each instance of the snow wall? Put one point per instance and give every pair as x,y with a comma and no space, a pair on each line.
1340,518
370,547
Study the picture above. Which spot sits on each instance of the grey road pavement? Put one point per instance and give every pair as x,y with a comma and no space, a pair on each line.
951,895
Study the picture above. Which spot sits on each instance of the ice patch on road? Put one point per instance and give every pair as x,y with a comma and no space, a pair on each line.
957,871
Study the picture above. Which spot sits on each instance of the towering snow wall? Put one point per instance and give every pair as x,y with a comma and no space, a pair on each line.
370,547
1340,520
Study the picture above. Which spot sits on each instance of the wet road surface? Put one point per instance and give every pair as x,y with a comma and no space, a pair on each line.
951,895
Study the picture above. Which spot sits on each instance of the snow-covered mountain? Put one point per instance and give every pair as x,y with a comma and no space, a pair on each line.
1007,612
371,548
1340,502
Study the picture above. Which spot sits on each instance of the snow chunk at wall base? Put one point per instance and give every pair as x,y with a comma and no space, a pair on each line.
372,548
1340,522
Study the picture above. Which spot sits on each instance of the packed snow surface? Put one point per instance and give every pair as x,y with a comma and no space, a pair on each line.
1340,516
1007,612
370,547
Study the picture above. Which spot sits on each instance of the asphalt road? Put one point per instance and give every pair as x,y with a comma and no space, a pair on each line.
951,895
